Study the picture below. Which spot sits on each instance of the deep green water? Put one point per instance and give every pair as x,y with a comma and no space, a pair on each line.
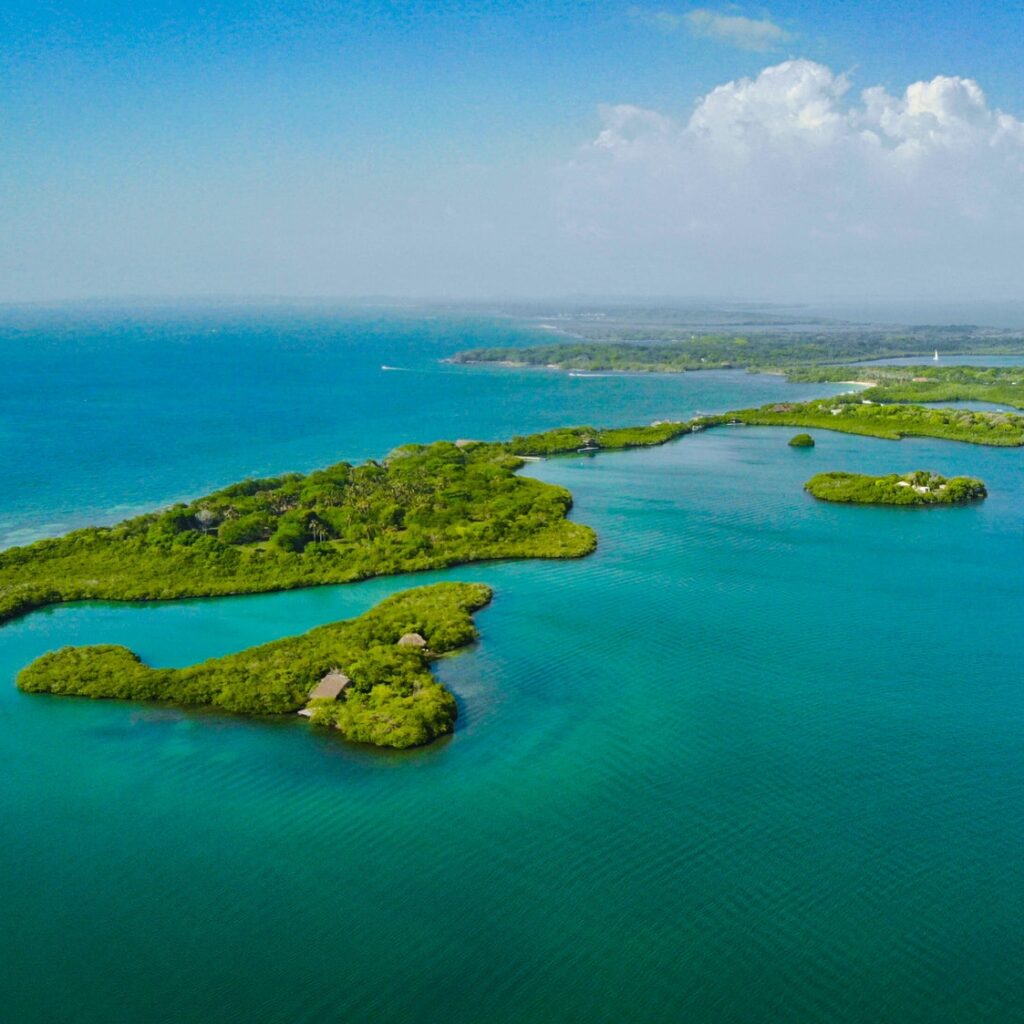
759,759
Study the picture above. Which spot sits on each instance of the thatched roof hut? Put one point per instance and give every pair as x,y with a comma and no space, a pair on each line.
331,686
412,640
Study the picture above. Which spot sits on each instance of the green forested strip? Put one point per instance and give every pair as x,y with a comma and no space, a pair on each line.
1001,385
572,439
680,350
892,421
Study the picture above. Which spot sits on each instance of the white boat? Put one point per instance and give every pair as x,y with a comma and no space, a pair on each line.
936,356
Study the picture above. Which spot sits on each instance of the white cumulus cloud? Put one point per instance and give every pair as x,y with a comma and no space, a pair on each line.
793,175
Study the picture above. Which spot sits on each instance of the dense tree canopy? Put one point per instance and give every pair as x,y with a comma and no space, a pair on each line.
917,488
425,506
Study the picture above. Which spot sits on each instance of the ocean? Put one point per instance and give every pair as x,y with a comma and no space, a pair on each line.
757,759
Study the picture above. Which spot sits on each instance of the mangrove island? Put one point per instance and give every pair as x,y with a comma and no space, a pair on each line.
361,676
918,488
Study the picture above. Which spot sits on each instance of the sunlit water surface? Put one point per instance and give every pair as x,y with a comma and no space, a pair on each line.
759,759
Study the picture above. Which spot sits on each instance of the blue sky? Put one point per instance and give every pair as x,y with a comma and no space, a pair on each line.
414,148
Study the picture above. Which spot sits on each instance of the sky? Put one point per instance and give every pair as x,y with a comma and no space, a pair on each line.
795,152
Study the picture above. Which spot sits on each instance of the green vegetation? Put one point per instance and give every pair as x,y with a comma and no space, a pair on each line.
591,439
891,421
1002,385
919,488
393,699
705,352
424,507
666,349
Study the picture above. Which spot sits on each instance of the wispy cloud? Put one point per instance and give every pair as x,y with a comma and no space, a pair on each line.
758,34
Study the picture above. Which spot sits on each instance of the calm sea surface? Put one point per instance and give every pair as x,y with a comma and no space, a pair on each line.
759,759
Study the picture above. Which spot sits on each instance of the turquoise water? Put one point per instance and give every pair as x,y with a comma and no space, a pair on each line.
105,413
973,405
758,759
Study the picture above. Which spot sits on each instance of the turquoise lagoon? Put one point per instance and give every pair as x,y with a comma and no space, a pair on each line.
758,759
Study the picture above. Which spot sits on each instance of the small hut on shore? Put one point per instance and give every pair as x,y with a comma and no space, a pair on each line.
412,640
331,686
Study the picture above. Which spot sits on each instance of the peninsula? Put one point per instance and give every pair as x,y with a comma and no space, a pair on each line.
890,421
918,488
422,507
386,694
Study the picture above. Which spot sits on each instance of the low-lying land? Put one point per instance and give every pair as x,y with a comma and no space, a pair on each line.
564,440
392,700
431,506
891,421
698,353
1003,385
424,507
918,488
669,350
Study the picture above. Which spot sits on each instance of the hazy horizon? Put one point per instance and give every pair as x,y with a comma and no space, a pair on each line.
1007,314
496,151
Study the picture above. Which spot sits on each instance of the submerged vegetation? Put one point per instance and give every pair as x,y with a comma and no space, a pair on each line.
918,488
393,699
424,507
